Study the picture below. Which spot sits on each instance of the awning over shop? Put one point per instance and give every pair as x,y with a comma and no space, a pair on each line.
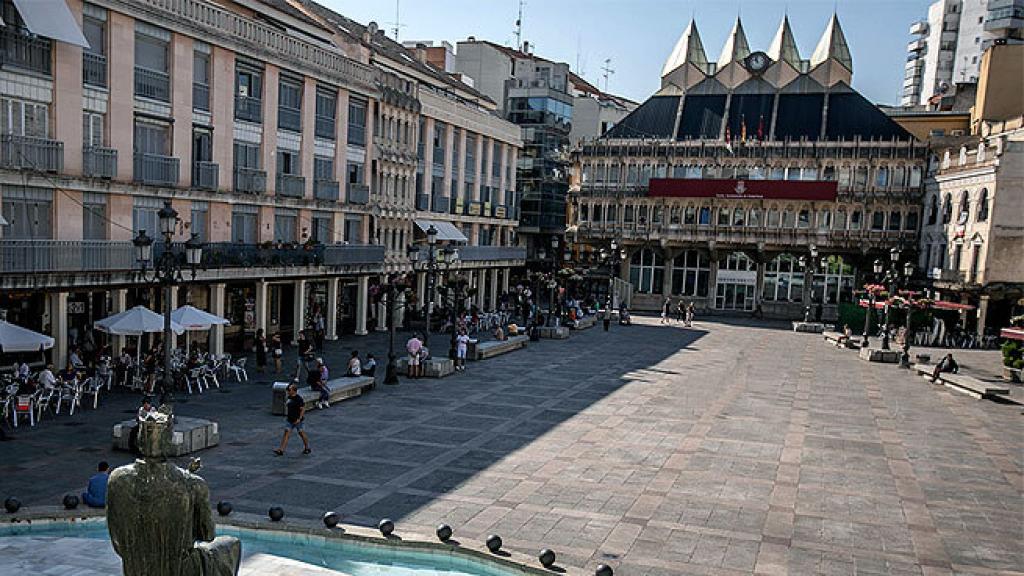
445,230
942,305
53,19
1012,333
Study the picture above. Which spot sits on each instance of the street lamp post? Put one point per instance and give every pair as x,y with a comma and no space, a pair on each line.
613,258
908,272
891,278
396,284
167,273
877,267
434,259
809,274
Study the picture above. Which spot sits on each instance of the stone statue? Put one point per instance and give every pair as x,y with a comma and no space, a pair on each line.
159,515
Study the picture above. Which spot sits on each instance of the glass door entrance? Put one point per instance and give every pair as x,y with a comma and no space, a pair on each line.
735,297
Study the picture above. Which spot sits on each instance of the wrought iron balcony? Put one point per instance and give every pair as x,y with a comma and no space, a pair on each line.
99,162
353,254
201,96
358,193
250,180
289,118
40,256
480,253
152,84
326,190
20,50
94,69
441,204
325,127
156,169
248,108
291,185
29,153
205,175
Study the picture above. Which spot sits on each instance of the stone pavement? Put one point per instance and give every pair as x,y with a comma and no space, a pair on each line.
725,449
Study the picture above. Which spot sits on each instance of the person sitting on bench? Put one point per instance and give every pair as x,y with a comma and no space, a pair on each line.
844,338
947,364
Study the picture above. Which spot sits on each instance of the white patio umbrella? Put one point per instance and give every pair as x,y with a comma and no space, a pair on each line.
193,319
17,339
135,322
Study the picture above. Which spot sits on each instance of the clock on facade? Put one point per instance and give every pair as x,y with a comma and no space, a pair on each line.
757,62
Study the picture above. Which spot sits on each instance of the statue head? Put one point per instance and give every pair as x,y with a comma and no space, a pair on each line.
155,433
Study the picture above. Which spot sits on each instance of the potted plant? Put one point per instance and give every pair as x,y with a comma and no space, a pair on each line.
1013,360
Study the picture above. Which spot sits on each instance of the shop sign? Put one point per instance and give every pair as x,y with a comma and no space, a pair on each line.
76,307
747,277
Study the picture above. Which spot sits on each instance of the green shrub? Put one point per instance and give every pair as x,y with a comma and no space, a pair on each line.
1018,363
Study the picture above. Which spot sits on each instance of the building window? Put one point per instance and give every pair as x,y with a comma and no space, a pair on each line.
244,224
689,216
895,220
92,129
326,110
320,227
787,218
248,93
840,221
833,283
200,221
690,274
145,211
28,212
964,213
878,220
933,210
288,162
289,104
357,121
803,219
285,225
704,216
647,271
983,205
947,208
152,137
911,222
353,229
94,58
783,280
824,219
724,216
94,216
152,69
23,118
201,80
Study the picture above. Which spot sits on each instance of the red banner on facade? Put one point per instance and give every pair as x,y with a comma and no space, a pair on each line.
743,189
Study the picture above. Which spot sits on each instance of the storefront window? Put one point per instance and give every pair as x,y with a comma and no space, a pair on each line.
783,280
690,274
647,271
833,283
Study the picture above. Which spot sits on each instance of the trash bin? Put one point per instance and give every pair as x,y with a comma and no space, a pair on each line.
279,399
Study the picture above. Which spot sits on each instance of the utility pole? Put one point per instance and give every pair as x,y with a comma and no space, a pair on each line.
608,71
519,26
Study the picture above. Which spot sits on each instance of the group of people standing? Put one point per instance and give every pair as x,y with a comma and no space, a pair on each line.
684,312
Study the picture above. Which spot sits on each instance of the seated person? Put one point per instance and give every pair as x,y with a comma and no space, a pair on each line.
513,329
499,334
46,378
68,375
23,371
146,409
76,359
355,367
947,364
844,338
370,366
95,496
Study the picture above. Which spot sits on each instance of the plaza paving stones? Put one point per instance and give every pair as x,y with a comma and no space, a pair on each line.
725,449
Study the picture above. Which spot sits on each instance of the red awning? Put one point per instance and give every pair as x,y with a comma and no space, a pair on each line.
1012,333
879,304
943,305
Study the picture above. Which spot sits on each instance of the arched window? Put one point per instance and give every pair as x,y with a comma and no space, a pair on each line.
657,216
964,214
947,208
584,212
882,177
774,217
754,218
690,272
824,219
675,215
787,218
613,213
933,210
803,219
647,271
878,220
705,216
597,213
911,222
895,220
840,222
724,215
899,176
739,217
983,205
628,214
690,215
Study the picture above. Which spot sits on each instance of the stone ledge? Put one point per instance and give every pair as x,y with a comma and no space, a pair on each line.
554,332
483,350
811,327
340,389
879,355
190,435
432,368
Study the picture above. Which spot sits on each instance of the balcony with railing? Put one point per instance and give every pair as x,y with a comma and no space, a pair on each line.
353,254
423,201
291,185
152,84
99,162
205,175
289,118
325,127
328,190
156,169
29,153
441,204
357,193
248,108
40,256
250,180
94,69
481,253
19,50
201,96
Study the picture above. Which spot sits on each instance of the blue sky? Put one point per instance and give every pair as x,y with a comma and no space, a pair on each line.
638,35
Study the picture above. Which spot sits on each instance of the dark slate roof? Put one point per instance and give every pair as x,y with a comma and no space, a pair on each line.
797,114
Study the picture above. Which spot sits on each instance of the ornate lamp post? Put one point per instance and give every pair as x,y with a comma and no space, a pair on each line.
167,272
613,258
809,274
435,259
891,278
908,273
552,282
397,283
877,267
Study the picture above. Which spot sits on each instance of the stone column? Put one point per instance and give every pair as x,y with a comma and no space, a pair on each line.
217,299
59,329
262,303
331,319
421,288
120,302
362,304
382,313
982,314
666,283
299,303
400,311
494,288
505,279
481,285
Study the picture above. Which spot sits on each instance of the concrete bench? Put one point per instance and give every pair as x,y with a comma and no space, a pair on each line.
432,368
963,383
835,338
812,327
879,355
585,322
482,350
189,435
340,389
554,332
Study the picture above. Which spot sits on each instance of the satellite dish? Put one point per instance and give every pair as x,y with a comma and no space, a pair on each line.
372,27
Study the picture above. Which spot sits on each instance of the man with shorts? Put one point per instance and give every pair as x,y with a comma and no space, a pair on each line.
295,413
461,344
414,347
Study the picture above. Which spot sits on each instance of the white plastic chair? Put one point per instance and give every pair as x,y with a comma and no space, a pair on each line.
238,370
194,376
43,401
210,375
24,406
92,387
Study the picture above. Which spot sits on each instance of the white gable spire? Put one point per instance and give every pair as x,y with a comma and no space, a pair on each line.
736,47
783,46
689,49
833,46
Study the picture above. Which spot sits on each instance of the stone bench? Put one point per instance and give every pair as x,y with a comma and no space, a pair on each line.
963,383
340,389
585,322
880,355
554,332
189,435
432,367
812,327
835,338
482,350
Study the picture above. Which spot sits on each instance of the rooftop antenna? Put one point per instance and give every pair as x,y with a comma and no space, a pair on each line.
519,26
397,24
608,70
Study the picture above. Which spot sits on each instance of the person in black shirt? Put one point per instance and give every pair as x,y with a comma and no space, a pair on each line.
295,413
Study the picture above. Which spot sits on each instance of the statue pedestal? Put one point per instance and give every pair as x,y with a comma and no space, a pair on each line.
189,435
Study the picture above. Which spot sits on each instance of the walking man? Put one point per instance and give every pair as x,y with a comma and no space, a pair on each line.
414,347
461,345
295,413
607,317
666,309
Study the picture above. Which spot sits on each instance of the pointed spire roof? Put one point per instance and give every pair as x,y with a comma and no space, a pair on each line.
689,49
736,47
833,46
783,46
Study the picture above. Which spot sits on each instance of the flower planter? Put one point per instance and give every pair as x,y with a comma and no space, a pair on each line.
1011,374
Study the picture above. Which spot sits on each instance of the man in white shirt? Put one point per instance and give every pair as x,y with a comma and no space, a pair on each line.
46,378
461,344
